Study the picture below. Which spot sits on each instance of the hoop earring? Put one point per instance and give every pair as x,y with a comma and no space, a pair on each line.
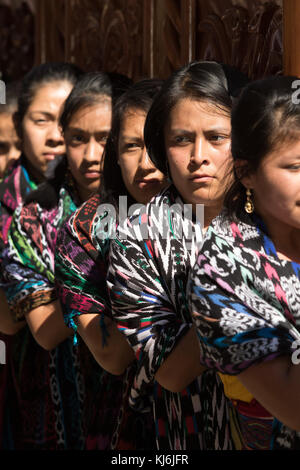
249,206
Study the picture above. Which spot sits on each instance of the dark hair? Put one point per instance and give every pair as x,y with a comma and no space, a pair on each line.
12,92
89,89
120,83
205,81
41,75
139,97
264,117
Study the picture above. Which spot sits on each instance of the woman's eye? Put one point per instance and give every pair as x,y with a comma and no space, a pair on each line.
181,139
217,138
294,167
132,146
77,139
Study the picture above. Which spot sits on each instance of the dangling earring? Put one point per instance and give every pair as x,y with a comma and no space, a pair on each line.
249,206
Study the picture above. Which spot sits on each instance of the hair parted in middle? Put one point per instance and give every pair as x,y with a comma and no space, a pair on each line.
205,81
264,118
138,97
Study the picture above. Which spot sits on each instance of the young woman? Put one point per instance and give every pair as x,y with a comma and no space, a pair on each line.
245,286
81,266
187,134
28,264
9,141
42,95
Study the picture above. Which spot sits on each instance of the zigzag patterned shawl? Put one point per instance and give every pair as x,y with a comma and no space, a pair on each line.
80,274
245,302
149,264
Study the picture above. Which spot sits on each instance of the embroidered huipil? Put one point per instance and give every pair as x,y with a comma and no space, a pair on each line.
80,273
13,189
245,303
149,264
48,384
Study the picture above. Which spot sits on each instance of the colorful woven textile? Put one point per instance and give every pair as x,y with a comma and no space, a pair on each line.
47,386
80,273
149,264
13,189
28,261
245,303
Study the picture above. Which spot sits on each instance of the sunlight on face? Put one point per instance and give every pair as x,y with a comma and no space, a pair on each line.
197,139
42,140
276,187
141,178
9,143
86,137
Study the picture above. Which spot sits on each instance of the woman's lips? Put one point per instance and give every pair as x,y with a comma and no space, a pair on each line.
92,174
147,182
201,178
49,156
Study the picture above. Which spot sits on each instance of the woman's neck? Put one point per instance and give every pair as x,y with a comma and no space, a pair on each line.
210,212
288,248
35,175
286,239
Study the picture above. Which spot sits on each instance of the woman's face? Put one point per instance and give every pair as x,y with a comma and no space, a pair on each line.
42,140
276,187
9,143
86,136
141,178
197,140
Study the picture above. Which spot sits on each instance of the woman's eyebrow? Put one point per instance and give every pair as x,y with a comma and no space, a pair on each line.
45,113
217,129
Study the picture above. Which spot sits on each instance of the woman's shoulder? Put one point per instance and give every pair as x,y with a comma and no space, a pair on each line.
9,186
84,215
230,229
81,224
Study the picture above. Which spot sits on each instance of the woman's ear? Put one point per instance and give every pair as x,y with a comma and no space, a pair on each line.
243,172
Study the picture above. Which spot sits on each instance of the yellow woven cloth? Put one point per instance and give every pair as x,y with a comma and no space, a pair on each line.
234,389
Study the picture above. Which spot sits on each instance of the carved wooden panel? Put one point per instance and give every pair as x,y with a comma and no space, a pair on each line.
17,36
174,26
141,37
244,33
107,35
51,30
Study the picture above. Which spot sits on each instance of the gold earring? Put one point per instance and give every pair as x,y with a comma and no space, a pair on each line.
249,206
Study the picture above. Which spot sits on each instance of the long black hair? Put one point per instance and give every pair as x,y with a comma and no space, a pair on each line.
207,81
39,76
90,88
138,97
266,116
